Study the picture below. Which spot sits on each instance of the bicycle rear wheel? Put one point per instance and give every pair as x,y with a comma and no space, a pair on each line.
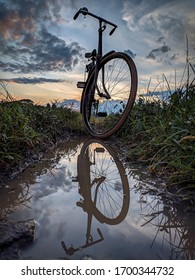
106,105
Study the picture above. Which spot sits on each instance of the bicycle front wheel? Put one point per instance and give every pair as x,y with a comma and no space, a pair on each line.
107,104
103,182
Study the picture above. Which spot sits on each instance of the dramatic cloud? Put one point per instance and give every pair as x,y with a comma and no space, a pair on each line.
24,16
165,19
39,40
32,80
26,45
156,52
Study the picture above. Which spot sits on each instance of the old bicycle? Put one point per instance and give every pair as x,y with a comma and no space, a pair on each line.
103,187
110,88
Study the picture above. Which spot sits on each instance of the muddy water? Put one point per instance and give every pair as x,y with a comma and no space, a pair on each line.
88,205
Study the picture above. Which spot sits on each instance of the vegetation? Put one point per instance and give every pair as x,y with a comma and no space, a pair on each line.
162,134
27,129
158,132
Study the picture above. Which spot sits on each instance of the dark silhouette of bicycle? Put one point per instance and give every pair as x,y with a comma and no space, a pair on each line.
110,88
104,188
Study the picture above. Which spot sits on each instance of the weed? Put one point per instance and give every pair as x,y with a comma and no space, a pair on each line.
26,128
163,135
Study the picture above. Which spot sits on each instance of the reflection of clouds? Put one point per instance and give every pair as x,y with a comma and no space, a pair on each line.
123,241
53,206
54,180
50,216
49,223
133,241
159,225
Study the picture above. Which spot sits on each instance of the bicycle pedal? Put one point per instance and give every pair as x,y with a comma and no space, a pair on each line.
80,84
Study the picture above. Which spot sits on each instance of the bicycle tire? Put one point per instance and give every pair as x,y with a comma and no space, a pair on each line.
111,194
104,124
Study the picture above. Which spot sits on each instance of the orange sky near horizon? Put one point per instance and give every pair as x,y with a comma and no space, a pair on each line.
44,93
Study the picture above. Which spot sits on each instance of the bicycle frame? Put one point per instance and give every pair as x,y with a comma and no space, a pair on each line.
96,58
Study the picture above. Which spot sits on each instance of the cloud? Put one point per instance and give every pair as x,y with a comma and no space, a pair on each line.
18,16
33,81
164,19
163,54
157,52
26,45
130,53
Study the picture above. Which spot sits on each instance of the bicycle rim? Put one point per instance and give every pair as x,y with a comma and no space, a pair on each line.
110,196
117,79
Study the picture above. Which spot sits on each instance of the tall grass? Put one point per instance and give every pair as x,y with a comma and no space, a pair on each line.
162,134
26,129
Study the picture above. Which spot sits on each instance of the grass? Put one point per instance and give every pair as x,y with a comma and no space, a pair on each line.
158,133
161,134
26,129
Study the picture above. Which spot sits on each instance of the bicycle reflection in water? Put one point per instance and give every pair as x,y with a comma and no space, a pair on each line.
104,188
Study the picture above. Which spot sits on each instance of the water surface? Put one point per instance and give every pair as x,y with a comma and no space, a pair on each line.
89,204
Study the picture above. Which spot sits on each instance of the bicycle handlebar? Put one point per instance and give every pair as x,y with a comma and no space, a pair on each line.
85,12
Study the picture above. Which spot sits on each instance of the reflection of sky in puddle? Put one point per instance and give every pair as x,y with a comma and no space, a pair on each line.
51,199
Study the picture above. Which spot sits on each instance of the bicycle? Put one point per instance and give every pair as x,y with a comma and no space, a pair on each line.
104,188
109,91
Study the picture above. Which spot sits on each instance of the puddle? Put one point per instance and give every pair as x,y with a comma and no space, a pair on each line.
88,205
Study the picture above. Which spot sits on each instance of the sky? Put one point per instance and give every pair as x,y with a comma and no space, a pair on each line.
42,48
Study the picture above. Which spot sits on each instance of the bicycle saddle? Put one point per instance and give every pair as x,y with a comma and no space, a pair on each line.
91,54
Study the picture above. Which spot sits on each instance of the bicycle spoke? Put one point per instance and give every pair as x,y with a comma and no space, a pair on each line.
107,199
115,87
